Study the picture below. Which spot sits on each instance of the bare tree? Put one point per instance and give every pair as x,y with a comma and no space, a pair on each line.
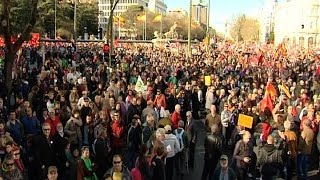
245,29
7,29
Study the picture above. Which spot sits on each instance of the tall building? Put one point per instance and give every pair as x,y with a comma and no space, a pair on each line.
179,13
157,6
297,23
267,20
199,11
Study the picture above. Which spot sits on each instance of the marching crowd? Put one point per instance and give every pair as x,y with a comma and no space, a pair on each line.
74,117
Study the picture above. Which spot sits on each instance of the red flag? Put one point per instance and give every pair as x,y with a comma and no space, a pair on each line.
318,70
266,102
271,90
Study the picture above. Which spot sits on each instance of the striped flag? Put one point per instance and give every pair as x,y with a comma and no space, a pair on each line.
285,89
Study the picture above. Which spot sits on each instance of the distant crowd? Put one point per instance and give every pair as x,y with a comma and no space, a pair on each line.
72,116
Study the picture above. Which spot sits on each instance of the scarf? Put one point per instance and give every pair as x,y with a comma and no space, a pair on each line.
88,164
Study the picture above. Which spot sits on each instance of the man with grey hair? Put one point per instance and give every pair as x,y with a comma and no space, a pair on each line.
173,147
181,159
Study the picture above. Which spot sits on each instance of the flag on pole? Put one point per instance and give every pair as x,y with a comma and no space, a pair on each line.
139,87
118,18
266,102
271,90
285,89
158,18
142,17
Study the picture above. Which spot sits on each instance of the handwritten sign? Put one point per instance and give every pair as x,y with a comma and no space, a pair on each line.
245,121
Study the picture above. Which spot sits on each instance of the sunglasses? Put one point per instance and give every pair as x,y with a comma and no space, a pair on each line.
115,115
11,164
46,129
117,162
16,154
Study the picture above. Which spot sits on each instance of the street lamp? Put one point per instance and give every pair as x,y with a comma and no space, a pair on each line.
55,19
75,20
189,28
85,33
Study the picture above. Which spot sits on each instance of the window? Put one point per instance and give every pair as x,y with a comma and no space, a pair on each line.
310,41
301,41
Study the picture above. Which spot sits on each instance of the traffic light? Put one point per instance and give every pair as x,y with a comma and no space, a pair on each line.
100,33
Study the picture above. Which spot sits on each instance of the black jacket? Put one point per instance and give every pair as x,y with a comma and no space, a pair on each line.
269,154
213,146
134,138
43,151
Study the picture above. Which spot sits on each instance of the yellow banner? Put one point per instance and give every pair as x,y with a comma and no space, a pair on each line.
245,121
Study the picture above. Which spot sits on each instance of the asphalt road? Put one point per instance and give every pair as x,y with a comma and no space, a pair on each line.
196,172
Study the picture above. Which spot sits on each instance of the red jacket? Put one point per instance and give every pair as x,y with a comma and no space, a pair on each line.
160,99
53,124
175,119
116,134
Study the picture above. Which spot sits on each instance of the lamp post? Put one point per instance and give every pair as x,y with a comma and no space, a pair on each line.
75,20
55,19
189,28
208,24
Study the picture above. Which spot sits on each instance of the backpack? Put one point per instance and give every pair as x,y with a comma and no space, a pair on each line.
180,138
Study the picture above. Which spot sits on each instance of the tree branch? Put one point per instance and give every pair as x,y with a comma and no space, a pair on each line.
6,28
28,29
115,4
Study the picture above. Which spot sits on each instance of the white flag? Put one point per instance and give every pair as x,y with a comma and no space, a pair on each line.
139,85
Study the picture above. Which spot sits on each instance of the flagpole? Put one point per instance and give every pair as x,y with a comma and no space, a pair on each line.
161,26
119,28
145,25
189,28
55,19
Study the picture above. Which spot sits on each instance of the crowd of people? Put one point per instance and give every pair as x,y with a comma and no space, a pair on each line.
72,116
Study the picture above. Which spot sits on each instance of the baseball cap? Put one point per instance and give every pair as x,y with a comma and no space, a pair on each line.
224,157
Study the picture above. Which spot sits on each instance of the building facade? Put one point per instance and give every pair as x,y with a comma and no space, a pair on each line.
267,21
157,6
296,22
199,11
179,13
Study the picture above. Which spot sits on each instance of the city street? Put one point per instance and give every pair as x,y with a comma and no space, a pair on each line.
200,132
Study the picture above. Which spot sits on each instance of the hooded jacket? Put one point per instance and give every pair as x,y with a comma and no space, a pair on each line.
269,154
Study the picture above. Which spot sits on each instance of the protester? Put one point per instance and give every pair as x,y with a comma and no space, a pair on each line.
276,86
223,171
213,151
118,171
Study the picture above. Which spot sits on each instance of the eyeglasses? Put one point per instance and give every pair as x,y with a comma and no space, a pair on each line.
11,164
117,162
46,129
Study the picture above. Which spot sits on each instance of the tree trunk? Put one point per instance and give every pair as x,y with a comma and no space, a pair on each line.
8,65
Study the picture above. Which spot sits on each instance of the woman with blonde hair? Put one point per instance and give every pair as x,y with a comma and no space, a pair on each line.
9,170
